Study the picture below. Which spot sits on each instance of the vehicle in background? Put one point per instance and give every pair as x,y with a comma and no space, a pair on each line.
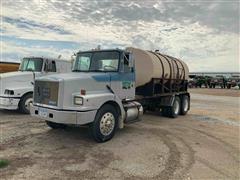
219,81
109,88
191,82
16,90
233,81
201,81
8,66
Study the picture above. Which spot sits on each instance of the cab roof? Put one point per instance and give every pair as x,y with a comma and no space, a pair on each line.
101,50
49,58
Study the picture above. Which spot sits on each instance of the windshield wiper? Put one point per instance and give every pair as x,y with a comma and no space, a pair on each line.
76,70
97,70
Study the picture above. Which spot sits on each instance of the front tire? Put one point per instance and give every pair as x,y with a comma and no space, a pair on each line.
24,104
104,126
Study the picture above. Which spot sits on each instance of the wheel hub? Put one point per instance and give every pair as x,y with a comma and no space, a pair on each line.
107,123
27,103
176,107
185,105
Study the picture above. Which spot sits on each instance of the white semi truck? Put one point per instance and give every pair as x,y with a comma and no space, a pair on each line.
16,88
110,88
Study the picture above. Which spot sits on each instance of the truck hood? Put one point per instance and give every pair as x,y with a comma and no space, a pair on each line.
76,76
71,84
15,74
14,80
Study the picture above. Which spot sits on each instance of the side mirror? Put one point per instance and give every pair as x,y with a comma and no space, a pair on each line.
46,66
131,61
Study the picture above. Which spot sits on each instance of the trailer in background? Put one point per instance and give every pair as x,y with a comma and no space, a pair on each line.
8,66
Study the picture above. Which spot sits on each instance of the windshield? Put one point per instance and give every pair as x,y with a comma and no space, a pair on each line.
31,64
102,61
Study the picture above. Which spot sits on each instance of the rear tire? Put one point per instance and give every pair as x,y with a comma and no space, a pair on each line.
55,125
104,126
24,104
165,111
185,104
174,110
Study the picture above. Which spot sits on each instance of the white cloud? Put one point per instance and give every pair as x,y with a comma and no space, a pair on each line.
22,51
204,48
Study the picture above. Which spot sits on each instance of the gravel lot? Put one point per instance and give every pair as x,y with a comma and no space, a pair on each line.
201,145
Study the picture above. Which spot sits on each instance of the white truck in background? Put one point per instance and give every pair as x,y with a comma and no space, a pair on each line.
109,88
16,88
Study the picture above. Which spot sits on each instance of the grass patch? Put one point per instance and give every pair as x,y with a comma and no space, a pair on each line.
4,163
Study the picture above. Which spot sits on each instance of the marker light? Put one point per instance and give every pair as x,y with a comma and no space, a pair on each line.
83,92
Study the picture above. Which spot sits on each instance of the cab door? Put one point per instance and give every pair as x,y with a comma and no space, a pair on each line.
123,82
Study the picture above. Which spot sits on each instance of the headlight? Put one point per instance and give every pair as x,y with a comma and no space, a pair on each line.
9,92
78,100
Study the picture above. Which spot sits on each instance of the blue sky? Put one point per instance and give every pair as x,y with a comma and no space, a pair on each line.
204,34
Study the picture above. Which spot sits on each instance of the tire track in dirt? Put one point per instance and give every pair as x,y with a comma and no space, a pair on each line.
17,139
173,167
190,157
210,166
226,145
173,161
229,148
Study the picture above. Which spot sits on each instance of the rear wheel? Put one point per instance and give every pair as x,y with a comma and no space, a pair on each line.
174,110
104,126
165,111
24,104
185,103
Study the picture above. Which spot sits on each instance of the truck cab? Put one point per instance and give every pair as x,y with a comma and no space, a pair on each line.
8,66
16,88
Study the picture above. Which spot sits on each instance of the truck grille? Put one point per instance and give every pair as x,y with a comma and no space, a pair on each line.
46,92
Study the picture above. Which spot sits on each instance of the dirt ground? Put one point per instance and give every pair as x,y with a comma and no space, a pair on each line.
204,144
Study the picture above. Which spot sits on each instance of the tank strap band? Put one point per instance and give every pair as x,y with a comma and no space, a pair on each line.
160,62
174,60
170,66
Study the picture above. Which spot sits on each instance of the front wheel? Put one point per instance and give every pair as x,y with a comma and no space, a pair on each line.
24,104
104,126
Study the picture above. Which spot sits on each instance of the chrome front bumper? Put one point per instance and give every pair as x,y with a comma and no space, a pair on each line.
9,103
63,116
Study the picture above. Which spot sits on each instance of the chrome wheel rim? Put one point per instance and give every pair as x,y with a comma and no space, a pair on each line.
27,103
107,124
185,104
176,107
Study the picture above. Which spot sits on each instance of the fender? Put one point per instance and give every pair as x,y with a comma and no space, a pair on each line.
96,101
20,92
